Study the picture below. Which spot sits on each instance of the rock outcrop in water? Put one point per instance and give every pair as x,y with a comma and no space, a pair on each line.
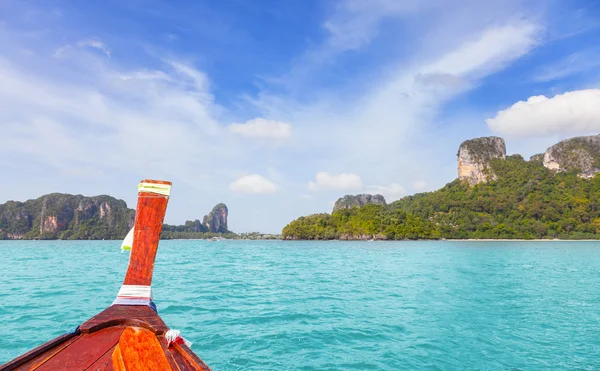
579,153
350,201
474,156
216,220
66,216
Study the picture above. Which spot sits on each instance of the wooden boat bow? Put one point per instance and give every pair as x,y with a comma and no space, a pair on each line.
129,335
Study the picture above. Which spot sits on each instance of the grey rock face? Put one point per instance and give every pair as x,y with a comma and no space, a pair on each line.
579,153
350,201
216,220
474,156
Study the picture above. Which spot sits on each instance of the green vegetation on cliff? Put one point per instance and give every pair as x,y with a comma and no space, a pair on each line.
526,201
369,221
76,217
64,216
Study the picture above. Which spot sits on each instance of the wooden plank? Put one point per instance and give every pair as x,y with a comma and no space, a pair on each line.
126,315
139,350
180,359
194,362
150,213
83,352
175,364
37,353
103,363
117,359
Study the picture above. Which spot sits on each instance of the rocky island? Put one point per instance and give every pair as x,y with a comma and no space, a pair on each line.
66,216
553,195
77,217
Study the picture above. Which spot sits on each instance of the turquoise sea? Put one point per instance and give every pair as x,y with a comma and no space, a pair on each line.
273,305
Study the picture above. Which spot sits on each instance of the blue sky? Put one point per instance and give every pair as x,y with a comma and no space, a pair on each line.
277,108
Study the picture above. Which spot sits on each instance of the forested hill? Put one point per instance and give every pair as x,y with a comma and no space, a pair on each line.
524,200
65,216
77,217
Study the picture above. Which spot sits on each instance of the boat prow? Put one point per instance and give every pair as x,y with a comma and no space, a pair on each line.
129,335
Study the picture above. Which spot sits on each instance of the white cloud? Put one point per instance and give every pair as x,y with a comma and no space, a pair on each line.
262,128
161,118
253,184
571,112
391,192
349,182
336,182
162,126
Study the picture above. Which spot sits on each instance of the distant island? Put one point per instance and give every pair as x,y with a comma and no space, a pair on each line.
554,195
76,217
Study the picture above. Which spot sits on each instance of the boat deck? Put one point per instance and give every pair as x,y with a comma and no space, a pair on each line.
101,343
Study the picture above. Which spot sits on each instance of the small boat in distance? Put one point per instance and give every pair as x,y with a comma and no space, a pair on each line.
129,335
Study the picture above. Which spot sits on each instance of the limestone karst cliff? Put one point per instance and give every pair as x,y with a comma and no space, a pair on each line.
216,220
553,195
579,153
350,201
474,156
66,216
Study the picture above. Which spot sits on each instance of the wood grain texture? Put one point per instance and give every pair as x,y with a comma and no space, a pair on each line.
103,363
190,360
25,360
150,213
82,353
129,315
139,350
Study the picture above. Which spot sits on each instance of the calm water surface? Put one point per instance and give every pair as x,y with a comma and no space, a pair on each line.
272,305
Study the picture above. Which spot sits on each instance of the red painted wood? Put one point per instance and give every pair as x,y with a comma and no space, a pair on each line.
181,357
129,315
36,353
150,213
82,353
139,350
192,361
103,363
43,352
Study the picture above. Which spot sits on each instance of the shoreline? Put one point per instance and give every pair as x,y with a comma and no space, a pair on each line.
519,240
345,240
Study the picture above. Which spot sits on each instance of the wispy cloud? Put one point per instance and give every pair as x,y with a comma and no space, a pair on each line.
253,184
570,65
338,182
89,43
137,124
355,23
261,128
365,98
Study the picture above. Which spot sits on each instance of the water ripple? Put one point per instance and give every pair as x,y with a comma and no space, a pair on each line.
272,305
